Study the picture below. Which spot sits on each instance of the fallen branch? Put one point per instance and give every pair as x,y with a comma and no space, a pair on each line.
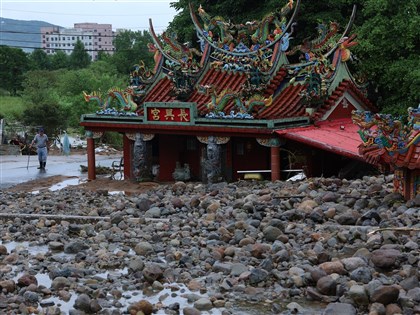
396,229
56,217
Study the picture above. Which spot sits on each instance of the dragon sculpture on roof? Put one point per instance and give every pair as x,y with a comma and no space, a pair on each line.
387,132
116,102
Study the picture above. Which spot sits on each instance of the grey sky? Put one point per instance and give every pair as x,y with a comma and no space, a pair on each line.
128,14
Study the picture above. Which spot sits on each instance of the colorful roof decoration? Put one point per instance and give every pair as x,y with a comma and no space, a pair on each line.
242,71
388,140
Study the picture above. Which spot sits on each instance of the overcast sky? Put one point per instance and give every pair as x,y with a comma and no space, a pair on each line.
128,14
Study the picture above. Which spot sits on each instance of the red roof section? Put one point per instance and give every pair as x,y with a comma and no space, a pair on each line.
339,136
345,85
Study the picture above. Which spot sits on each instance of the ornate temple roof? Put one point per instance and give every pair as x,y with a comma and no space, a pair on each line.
243,71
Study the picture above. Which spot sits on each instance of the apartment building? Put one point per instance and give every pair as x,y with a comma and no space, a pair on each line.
95,37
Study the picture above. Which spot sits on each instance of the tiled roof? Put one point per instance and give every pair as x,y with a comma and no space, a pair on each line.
285,105
339,136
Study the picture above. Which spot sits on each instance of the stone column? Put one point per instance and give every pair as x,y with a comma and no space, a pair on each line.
213,161
141,168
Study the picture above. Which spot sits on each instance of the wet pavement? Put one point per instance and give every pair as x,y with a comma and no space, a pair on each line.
14,169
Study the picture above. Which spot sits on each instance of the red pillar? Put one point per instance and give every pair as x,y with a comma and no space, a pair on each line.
127,157
275,163
91,158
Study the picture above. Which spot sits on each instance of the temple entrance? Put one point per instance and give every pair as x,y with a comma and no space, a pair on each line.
177,153
248,154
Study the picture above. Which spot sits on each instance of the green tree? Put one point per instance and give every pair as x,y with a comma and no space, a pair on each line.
40,87
60,60
79,58
51,116
39,60
13,64
389,49
130,48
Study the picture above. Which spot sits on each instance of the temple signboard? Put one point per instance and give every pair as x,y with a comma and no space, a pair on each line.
184,113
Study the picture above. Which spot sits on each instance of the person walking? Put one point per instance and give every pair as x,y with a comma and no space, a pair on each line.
42,142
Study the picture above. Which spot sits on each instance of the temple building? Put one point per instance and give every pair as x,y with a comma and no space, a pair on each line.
246,103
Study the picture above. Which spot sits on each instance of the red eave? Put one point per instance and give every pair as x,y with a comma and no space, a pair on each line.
339,136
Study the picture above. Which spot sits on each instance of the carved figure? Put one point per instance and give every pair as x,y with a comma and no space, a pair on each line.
389,134
181,173
244,105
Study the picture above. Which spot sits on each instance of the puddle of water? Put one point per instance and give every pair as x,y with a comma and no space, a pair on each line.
68,182
42,278
22,246
112,273
166,297
64,306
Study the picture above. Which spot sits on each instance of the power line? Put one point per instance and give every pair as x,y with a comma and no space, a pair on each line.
28,24
62,49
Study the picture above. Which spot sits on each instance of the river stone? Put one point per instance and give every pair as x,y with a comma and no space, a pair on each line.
143,249
362,274
327,285
257,275
55,246
142,307
136,264
143,204
385,258
222,267
392,309
353,263
31,297
75,247
153,212
358,295
117,217
26,280
333,267
271,233
377,309
258,250
177,202
191,311
414,294
307,205
203,304
237,269
59,283
410,283
11,259
339,309
8,285
3,250
385,294
152,272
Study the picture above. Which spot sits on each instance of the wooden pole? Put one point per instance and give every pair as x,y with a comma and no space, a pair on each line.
91,158
275,163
